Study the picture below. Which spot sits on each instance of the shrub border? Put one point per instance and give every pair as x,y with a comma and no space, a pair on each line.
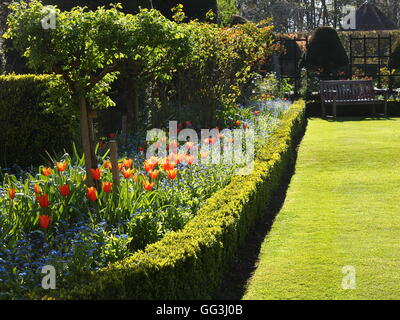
190,263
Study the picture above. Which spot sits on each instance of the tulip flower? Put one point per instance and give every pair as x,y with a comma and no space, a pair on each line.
245,125
61,166
190,159
96,173
188,123
112,135
172,174
92,194
64,190
128,163
256,112
211,140
37,189
46,171
148,186
141,149
44,221
107,165
120,166
107,186
43,200
11,193
103,145
189,145
148,166
154,174
127,173
238,122
168,166
204,155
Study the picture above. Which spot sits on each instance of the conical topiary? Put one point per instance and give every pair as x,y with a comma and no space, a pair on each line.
326,52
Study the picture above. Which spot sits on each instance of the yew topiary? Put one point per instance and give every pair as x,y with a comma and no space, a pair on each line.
326,52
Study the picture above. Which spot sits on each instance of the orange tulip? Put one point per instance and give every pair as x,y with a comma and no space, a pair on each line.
37,189
107,165
212,140
154,174
256,112
127,173
46,171
43,200
150,164
238,122
148,186
128,163
120,166
11,193
96,173
190,159
107,186
204,155
61,166
44,221
172,174
64,190
189,145
245,126
92,194
173,144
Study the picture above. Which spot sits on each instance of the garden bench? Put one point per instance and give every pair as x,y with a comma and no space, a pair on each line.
350,92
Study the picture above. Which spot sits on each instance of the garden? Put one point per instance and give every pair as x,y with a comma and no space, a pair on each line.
142,144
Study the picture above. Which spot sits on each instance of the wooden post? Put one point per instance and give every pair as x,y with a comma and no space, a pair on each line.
114,162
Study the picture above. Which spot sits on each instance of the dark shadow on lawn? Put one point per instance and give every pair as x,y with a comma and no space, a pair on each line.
245,263
351,119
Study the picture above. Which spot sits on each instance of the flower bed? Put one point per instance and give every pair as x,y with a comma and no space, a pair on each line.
50,218
189,264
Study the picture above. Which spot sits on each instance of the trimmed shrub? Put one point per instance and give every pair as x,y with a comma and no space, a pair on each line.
28,131
325,51
190,263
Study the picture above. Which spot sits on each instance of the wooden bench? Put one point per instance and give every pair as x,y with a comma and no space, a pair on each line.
351,92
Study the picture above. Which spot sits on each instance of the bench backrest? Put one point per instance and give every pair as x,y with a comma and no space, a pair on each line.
347,90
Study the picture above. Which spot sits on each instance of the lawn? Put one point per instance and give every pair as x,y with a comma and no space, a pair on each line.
341,209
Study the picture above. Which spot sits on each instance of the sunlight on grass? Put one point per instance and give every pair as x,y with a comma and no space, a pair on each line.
341,209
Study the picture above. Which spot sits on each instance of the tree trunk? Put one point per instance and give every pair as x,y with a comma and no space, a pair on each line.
87,141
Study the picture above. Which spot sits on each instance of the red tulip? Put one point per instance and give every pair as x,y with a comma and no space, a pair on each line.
61,166
11,193
64,190
46,171
141,149
211,140
188,123
103,145
204,155
92,194
96,173
148,186
107,186
44,221
172,174
43,200
112,135
168,166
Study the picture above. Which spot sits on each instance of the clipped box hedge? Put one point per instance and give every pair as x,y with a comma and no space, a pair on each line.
190,263
27,129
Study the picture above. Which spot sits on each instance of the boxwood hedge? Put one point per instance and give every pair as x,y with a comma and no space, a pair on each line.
190,263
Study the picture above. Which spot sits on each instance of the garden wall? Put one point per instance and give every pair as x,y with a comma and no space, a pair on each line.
190,263
27,130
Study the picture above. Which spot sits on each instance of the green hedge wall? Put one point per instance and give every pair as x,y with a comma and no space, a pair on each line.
28,131
190,263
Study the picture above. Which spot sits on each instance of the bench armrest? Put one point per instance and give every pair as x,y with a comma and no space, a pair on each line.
384,92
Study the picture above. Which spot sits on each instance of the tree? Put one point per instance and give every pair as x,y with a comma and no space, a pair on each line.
325,51
86,50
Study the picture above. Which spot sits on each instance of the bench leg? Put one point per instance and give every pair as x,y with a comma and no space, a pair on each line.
323,113
385,109
373,110
334,111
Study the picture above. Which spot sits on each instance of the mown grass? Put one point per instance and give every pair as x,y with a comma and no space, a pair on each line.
342,208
